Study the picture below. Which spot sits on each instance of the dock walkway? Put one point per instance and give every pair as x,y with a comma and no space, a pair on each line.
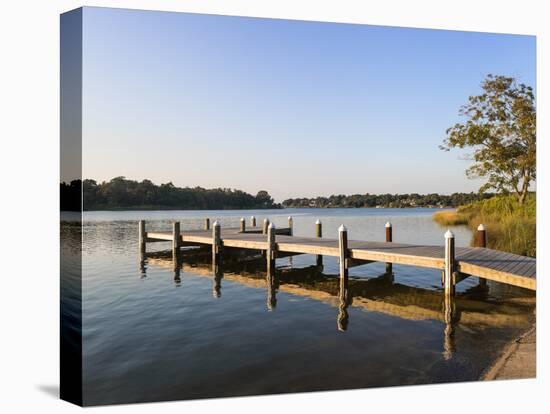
456,263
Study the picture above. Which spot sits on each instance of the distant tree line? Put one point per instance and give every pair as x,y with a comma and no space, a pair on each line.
120,193
387,200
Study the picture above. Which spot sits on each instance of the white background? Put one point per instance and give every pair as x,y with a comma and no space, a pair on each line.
29,158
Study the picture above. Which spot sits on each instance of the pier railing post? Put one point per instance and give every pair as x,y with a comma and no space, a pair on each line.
253,221
243,225
271,246
290,225
207,223
216,242
319,234
266,225
343,257
448,276
481,241
142,238
389,239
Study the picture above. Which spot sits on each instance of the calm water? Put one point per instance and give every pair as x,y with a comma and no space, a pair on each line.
160,331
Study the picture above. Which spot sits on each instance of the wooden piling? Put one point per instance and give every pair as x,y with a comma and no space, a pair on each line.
389,239
271,246
253,221
481,236
319,234
142,237
343,256
266,225
481,241
176,236
216,242
243,225
290,225
207,223
448,279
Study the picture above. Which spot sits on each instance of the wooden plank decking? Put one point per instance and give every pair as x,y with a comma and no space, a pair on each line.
475,261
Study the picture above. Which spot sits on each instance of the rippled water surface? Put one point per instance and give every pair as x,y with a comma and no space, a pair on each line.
162,330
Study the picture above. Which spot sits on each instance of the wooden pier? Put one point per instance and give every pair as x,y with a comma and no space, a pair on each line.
456,263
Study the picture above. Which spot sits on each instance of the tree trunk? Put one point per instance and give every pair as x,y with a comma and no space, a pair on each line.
524,189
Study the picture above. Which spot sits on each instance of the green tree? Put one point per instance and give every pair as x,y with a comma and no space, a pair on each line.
501,130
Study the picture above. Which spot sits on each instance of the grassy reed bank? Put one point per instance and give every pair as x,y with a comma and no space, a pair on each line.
510,227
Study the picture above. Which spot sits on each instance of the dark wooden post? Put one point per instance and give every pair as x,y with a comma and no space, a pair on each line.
481,236
389,239
290,224
243,225
266,225
319,234
481,241
253,221
142,238
207,223
448,279
272,284
343,256
271,246
175,236
216,242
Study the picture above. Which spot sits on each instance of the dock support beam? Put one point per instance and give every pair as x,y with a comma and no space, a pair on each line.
389,239
266,225
290,225
271,246
481,241
142,238
243,225
216,243
448,275
207,223
343,257
253,221
319,234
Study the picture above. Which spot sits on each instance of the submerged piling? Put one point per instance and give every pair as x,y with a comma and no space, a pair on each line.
142,238
343,256
481,241
389,239
448,275
216,242
319,234
271,246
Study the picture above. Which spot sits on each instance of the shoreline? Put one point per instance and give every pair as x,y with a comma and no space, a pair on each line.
518,359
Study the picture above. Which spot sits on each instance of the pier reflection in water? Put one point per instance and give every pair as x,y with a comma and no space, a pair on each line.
379,294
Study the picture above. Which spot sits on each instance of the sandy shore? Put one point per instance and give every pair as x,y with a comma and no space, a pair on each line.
518,360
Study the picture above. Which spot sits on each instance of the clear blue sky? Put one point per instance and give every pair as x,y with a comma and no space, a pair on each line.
296,108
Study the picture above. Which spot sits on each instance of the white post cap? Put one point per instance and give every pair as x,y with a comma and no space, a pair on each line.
215,224
481,227
449,234
342,228
242,218
388,224
252,217
271,225
318,221
290,217
265,220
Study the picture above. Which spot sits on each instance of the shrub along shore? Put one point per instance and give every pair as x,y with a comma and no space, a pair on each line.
511,227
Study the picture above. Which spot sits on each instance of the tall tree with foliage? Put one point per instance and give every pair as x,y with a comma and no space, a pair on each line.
501,130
